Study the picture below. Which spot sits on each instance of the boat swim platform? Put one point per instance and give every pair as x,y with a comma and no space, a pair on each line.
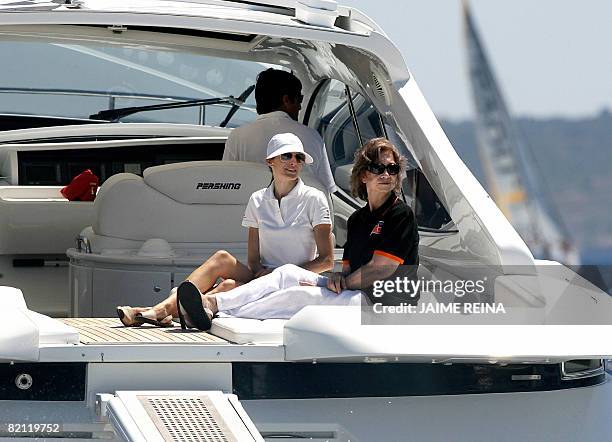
108,340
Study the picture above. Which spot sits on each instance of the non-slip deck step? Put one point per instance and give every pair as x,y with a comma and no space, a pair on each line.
175,416
111,331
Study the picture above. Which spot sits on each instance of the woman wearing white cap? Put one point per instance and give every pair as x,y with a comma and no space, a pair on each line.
382,245
289,223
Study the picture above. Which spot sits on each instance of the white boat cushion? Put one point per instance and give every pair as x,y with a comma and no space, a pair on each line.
170,204
208,182
181,203
249,331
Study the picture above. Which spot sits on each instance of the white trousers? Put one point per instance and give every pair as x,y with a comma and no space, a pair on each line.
279,295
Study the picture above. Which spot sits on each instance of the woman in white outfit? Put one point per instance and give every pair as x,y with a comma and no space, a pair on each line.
288,222
381,236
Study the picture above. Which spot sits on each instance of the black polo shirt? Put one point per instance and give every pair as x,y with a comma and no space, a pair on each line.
390,230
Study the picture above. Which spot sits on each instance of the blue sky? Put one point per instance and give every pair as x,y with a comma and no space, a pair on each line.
551,57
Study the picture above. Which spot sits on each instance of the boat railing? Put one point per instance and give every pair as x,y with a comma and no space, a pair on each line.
114,96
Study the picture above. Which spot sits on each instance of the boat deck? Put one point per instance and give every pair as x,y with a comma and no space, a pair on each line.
109,331
107,340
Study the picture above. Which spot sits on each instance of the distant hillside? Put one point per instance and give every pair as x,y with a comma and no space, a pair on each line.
574,158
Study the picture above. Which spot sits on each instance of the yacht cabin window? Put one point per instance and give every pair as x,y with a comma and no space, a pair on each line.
330,114
81,80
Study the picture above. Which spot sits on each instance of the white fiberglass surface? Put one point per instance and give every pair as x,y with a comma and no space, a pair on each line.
80,80
565,415
334,333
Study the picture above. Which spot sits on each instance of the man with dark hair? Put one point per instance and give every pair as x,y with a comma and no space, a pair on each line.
279,99
271,88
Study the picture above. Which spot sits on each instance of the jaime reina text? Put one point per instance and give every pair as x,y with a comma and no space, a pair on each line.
459,308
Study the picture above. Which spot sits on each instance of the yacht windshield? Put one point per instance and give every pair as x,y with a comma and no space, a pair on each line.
114,114
78,81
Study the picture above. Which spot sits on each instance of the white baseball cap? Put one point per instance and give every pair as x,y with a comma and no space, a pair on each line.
286,143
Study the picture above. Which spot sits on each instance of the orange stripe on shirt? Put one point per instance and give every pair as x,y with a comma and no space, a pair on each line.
388,255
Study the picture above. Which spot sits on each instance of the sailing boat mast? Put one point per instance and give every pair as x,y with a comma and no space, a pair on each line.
506,160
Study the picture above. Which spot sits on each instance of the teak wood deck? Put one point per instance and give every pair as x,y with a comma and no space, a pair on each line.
99,331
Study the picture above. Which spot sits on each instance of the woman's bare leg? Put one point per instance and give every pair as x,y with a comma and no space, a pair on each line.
224,286
220,265
210,301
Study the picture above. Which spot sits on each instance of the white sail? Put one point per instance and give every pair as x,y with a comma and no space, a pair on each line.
509,168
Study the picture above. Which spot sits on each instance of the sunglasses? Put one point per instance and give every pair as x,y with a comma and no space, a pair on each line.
379,169
299,157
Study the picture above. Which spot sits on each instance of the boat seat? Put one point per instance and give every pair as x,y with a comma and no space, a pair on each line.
192,202
180,203
249,331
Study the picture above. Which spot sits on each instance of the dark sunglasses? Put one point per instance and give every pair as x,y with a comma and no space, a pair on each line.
379,169
299,157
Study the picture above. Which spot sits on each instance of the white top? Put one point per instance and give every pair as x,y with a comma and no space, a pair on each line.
286,234
250,142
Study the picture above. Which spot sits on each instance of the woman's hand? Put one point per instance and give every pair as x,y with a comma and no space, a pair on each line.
336,282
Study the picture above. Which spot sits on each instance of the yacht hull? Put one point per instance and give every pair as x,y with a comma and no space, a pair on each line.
565,415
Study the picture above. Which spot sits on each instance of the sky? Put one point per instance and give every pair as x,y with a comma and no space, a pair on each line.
552,58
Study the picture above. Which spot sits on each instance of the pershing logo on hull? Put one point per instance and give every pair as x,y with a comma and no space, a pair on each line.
217,186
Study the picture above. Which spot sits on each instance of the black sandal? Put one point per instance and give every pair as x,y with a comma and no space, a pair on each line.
189,302
140,319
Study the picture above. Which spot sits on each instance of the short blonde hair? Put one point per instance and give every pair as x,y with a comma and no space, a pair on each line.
370,153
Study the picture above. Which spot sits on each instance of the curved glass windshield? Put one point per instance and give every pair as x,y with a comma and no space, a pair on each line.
78,81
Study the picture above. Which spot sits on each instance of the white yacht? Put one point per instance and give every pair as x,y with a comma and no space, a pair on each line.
81,97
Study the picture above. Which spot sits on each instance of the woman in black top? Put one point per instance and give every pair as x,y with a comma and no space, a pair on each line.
382,244
382,235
